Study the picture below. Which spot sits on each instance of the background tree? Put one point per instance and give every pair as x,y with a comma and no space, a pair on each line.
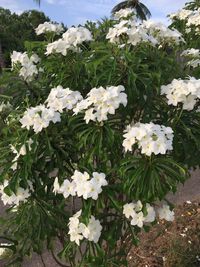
16,29
2,64
141,10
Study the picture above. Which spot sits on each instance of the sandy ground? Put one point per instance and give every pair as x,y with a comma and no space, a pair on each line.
188,192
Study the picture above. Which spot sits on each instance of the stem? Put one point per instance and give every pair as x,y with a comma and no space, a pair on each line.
178,117
5,96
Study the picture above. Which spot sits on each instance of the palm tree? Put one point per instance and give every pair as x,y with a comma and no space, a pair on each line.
37,1
142,11
193,5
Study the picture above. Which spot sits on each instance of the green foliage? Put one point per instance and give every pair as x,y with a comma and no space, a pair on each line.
72,145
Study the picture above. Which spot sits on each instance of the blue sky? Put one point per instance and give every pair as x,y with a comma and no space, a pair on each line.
77,11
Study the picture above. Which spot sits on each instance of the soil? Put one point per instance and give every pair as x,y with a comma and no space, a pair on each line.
174,244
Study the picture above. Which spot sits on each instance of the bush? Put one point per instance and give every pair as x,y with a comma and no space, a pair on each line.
103,123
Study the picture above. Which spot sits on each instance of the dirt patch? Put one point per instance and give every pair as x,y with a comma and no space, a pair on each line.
174,244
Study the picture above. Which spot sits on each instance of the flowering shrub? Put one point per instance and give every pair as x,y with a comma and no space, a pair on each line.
100,125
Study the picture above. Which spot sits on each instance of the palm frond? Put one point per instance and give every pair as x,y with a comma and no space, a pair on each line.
145,10
140,13
119,6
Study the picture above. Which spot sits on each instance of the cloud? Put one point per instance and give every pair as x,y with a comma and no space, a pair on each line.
164,7
13,5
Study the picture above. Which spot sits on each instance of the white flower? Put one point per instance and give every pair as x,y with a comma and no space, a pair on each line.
149,31
193,55
74,228
60,46
193,20
94,230
5,106
77,35
150,138
39,117
3,250
79,177
84,230
123,13
194,63
56,186
35,58
117,30
90,115
76,237
82,185
28,69
133,211
18,57
21,195
182,14
138,219
128,210
60,98
186,92
189,102
83,189
162,33
138,35
191,52
100,102
70,40
78,230
100,178
94,189
151,214
68,188
22,151
166,213
89,188
138,205
82,105
48,27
